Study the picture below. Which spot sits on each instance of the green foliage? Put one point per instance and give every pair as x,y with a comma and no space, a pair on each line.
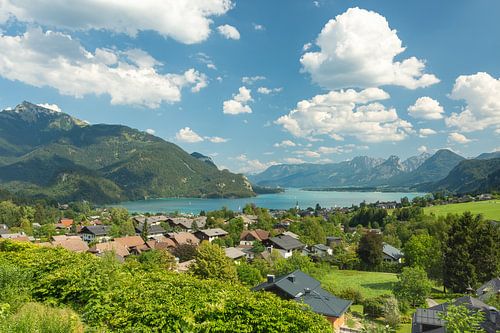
156,259
36,317
184,252
248,275
374,307
349,293
425,251
413,286
370,249
392,317
212,263
365,216
296,261
459,319
10,214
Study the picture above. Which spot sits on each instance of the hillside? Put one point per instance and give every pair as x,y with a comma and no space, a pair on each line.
472,176
44,153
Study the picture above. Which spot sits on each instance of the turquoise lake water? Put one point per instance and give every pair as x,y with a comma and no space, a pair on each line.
284,200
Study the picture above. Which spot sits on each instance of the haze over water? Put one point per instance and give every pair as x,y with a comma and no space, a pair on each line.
285,200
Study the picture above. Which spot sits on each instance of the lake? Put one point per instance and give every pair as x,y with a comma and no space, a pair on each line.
284,200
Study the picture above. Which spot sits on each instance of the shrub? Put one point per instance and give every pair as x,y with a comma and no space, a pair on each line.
351,294
374,307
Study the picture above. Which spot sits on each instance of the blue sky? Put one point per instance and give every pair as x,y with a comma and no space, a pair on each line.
254,83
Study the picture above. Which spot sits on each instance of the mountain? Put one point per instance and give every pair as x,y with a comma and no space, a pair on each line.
362,171
44,153
471,176
204,158
487,156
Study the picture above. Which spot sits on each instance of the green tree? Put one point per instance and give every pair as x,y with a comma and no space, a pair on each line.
459,319
370,249
248,275
486,251
296,261
212,263
185,252
392,317
412,286
425,251
10,214
144,231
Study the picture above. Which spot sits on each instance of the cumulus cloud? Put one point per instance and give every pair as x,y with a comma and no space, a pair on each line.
56,60
347,113
481,93
422,149
267,91
357,49
251,166
425,132
306,47
217,139
252,79
53,107
458,138
285,143
426,108
185,21
187,135
308,153
228,31
239,103
150,131
206,60
294,160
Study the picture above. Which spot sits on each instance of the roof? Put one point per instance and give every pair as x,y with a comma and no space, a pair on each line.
489,288
305,289
392,252
321,247
181,238
97,230
66,222
130,241
234,253
152,228
114,246
258,234
187,223
213,232
72,244
161,245
286,242
151,219
291,234
64,237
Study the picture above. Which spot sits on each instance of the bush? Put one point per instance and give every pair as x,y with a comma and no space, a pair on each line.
374,307
351,294
36,317
405,319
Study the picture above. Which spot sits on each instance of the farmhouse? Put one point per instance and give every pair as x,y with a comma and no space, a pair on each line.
284,244
391,254
95,233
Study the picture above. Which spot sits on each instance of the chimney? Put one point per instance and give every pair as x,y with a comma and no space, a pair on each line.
307,291
270,278
493,312
291,278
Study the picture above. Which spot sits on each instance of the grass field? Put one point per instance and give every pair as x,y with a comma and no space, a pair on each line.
490,209
370,284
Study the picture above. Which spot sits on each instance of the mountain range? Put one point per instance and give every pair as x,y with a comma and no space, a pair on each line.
49,154
442,171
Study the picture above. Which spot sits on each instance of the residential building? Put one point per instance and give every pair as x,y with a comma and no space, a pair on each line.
134,244
284,244
333,241
118,248
429,320
152,220
234,253
95,233
487,290
302,288
210,234
248,237
321,250
391,254
71,243
187,224
153,230
182,238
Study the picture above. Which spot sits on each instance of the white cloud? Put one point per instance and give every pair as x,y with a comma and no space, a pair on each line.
150,131
185,21
187,135
357,50
306,47
458,138
56,60
252,166
346,113
308,153
239,103
294,160
267,91
259,27
228,31
285,143
53,107
422,149
217,139
426,108
252,79
481,93
425,132
206,60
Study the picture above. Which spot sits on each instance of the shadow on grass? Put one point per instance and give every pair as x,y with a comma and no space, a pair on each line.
379,286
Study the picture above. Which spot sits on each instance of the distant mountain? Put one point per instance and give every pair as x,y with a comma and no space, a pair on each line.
487,156
471,176
44,153
362,171
204,158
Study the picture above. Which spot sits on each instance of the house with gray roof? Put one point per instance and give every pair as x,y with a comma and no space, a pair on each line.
154,230
285,245
210,234
95,233
303,288
320,250
429,321
391,254
489,289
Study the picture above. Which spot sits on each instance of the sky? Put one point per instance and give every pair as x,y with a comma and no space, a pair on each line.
260,82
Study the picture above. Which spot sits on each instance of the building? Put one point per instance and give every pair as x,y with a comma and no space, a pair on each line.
302,288
333,241
234,253
134,244
71,243
153,230
187,224
429,321
249,237
119,249
183,238
321,250
391,254
210,234
489,289
152,220
95,233
284,244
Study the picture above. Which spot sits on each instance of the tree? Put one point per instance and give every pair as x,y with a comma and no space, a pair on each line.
296,261
185,252
10,214
486,251
413,286
370,249
248,275
425,251
156,259
212,263
459,319
391,312
144,231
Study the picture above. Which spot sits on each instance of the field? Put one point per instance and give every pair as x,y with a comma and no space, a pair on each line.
370,284
490,209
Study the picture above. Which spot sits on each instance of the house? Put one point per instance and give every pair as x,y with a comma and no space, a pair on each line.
134,244
302,288
152,220
248,237
187,224
95,233
210,234
234,253
119,249
248,219
391,254
291,234
163,244
284,244
333,241
71,243
67,223
321,250
183,238
429,321
153,230
489,289
4,229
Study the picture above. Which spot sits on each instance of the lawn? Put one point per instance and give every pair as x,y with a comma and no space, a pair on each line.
370,284
490,209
